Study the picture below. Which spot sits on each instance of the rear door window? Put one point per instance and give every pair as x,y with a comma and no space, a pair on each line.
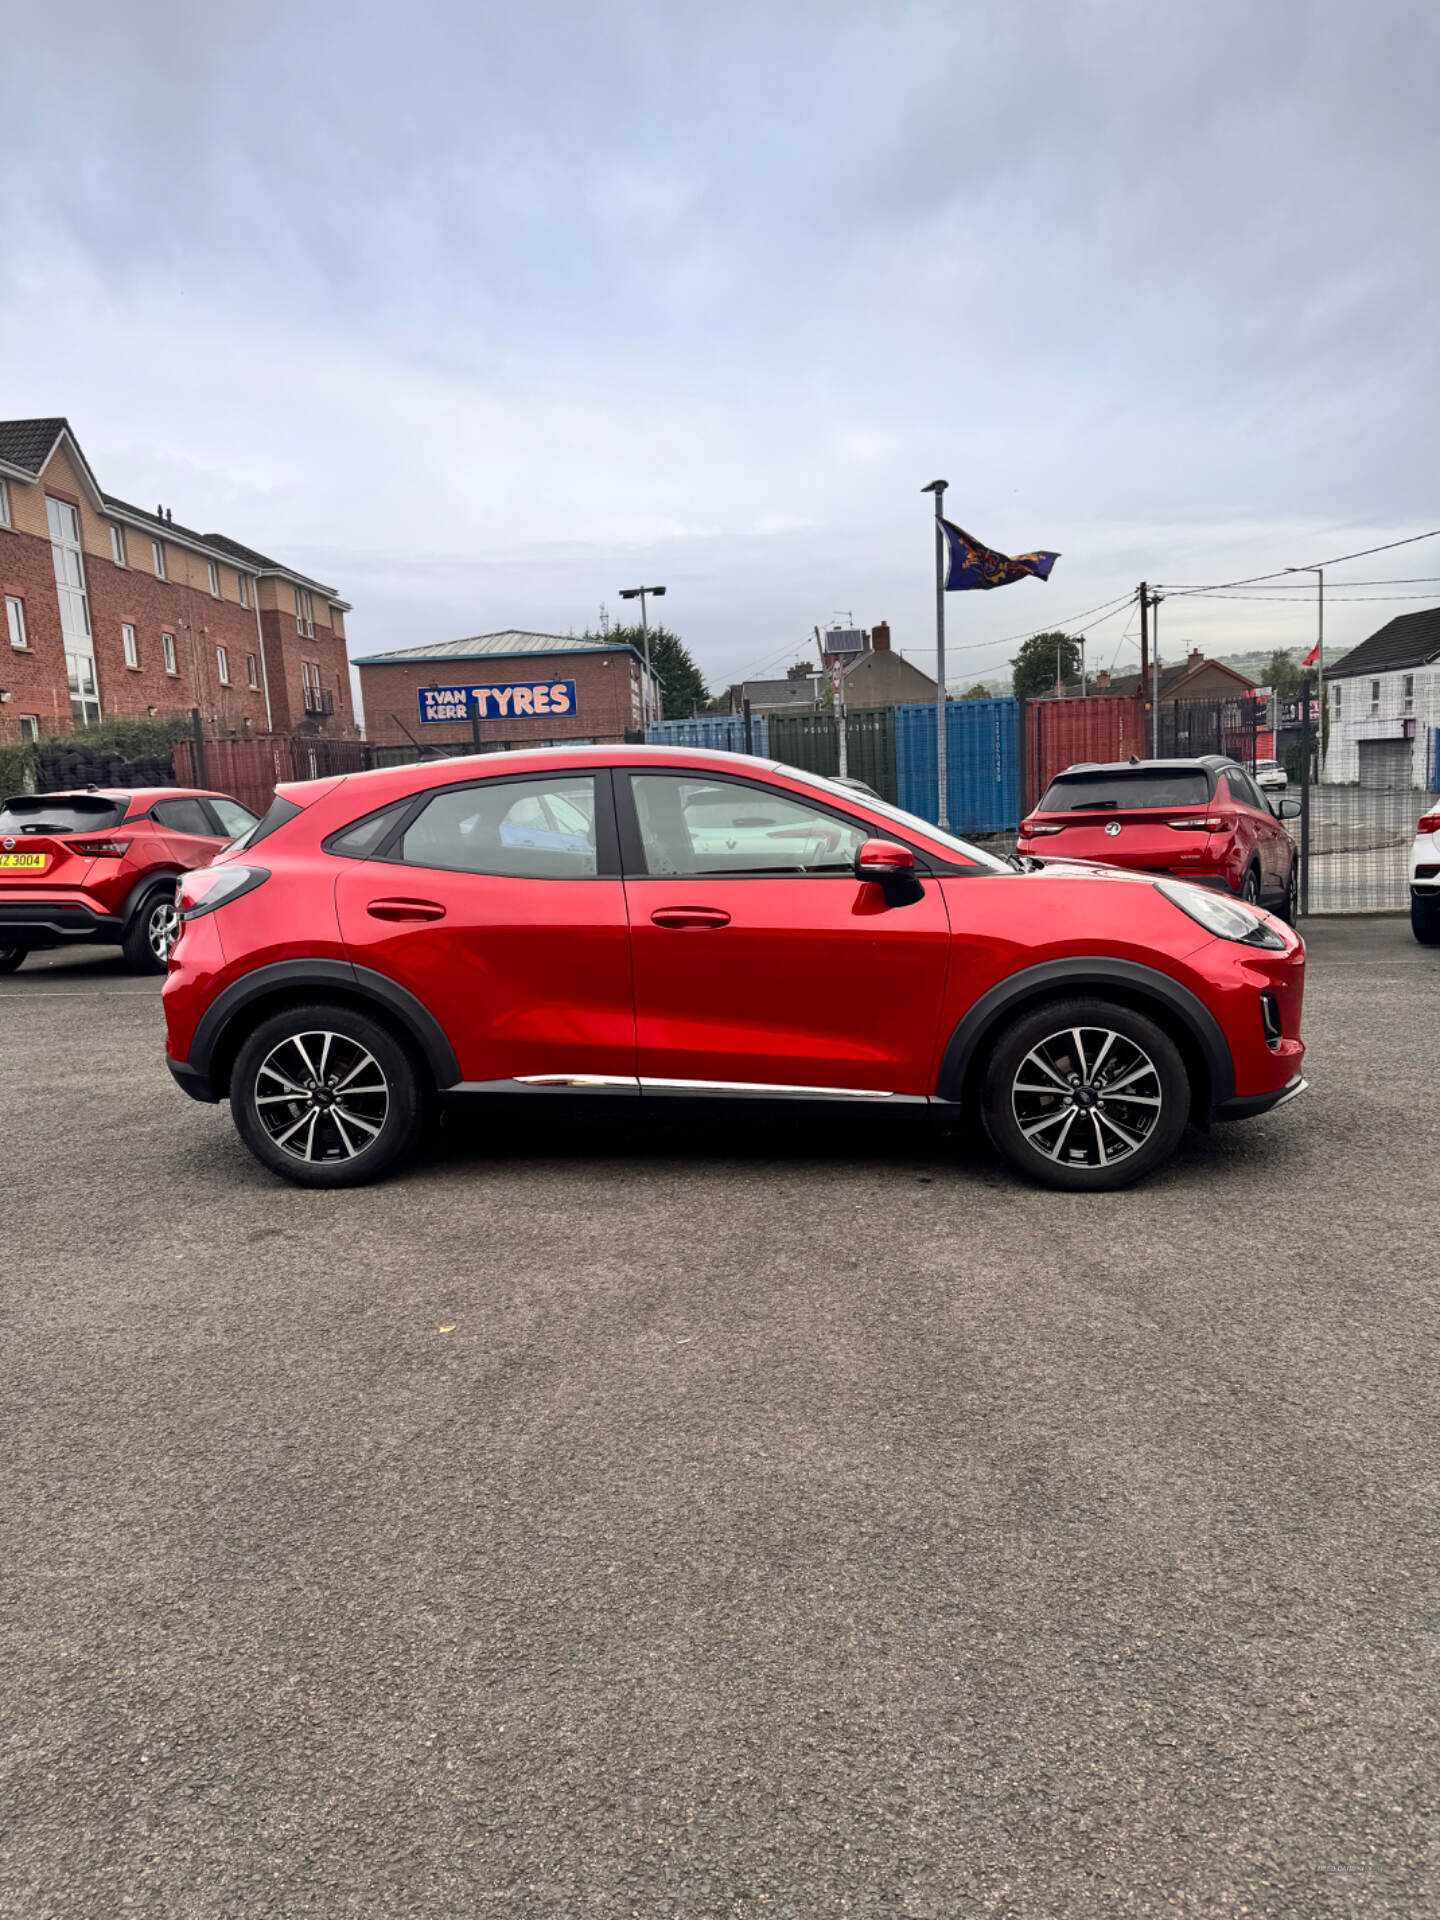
1124,791
60,813
234,819
530,829
184,816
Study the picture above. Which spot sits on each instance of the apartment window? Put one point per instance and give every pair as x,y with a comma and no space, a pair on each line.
252,670
1335,696
84,694
1409,691
5,522
214,579
29,726
1374,696
127,640
167,647
304,614
15,620
117,545
157,554
222,666
243,588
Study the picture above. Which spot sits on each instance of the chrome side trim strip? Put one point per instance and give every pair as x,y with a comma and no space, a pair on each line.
761,1089
626,1083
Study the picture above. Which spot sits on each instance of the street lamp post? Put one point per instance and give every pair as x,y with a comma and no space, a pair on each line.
639,593
937,487
1319,573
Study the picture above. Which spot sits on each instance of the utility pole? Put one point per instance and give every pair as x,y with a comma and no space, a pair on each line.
1155,599
937,487
639,593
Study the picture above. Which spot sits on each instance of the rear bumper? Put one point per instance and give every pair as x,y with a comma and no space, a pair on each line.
191,1080
1247,1106
55,922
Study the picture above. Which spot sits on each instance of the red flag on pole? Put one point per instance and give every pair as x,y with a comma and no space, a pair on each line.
1312,656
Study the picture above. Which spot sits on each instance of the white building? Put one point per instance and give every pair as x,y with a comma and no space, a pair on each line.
1384,701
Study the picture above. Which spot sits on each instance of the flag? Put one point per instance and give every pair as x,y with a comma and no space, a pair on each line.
974,566
1312,656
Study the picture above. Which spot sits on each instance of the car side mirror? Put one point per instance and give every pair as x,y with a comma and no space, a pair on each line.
884,860
1289,810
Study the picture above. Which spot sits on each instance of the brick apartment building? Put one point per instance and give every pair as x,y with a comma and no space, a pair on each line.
526,690
117,613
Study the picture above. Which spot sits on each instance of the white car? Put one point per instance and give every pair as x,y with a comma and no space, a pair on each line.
1270,774
1425,881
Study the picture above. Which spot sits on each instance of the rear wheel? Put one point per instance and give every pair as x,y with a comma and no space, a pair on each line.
326,1096
1425,921
152,932
11,958
1085,1095
1289,909
1250,887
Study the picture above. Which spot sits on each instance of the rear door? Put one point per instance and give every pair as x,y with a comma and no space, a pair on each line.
188,834
759,958
499,905
1262,831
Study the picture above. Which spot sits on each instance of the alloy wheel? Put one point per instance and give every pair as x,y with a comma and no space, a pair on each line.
163,929
1087,1097
321,1097
1250,888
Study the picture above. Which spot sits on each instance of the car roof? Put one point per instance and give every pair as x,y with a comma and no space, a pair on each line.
1193,763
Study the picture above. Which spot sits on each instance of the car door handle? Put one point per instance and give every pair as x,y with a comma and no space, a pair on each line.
681,917
405,910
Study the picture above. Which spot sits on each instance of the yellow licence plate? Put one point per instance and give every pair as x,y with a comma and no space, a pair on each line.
34,862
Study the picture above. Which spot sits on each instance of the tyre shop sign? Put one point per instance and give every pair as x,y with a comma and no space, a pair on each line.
511,700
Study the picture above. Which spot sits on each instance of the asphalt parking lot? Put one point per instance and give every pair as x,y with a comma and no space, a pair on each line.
693,1515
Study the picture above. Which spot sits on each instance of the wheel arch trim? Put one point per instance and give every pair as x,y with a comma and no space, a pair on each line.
297,976
1049,979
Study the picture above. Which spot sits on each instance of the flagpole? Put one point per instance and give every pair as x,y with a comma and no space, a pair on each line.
937,487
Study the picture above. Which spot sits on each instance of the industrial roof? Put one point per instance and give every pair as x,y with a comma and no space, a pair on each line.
481,645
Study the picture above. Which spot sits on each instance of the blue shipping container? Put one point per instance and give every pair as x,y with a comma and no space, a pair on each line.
982,757
724,732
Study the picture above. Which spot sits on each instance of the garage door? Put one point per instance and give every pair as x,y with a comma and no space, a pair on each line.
1384,763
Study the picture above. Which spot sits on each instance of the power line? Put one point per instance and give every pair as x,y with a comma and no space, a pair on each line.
1308,586
1303,606
1339,560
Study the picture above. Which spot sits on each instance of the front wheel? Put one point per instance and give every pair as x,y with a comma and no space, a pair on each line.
11,958
1085,1095
326,1096
1425,921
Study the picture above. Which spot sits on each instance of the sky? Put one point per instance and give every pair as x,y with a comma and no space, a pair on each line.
483,313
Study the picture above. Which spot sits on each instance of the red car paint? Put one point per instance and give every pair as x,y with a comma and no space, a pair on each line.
773,981
96,874
1227,838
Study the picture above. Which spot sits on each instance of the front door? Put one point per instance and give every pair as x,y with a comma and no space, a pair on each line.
759,958
499,906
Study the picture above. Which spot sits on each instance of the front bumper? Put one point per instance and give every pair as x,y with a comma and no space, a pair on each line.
1247,1106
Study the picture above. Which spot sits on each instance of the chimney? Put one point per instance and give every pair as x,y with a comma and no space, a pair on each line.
880,637
1102,678
1197,658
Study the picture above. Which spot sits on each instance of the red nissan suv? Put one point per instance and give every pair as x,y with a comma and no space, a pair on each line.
101,865
1203,820
656,922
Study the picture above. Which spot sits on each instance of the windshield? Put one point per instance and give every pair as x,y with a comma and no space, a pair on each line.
60,813
976,855
1111,791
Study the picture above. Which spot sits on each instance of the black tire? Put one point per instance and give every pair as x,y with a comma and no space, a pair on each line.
390,1125
1425,921
1250,887
11,958
1150,1108
1289,907
152,931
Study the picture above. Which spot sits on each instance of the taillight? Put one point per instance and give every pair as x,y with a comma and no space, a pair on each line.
1033,829
1429,823
210,887
100,849
1208,823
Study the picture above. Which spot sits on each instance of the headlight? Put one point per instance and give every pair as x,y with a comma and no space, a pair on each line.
1226,919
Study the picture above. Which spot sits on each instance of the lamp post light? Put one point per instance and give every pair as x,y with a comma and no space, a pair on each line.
639,593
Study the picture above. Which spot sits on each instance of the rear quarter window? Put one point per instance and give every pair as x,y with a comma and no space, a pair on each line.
1120,792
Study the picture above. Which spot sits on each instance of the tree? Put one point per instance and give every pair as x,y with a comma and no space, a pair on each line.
682,685
1283,675
978,692
1033,670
